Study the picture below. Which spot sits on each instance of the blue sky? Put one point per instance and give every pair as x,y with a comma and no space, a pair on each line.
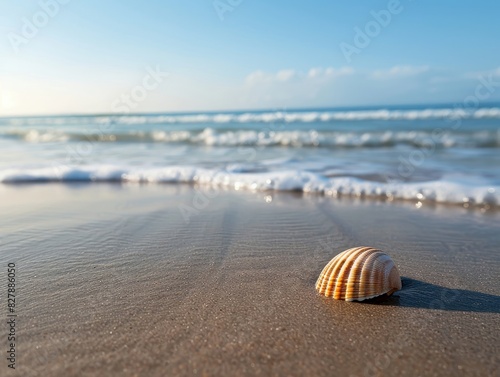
83,56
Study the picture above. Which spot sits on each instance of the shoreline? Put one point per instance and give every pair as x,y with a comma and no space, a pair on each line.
114,280
470,206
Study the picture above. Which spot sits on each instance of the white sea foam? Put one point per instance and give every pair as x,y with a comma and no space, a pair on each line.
295,138
450,190
267,117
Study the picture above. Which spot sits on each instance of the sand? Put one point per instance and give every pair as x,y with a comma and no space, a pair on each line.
160,280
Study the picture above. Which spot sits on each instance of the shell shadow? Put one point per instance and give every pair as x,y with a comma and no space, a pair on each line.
419,294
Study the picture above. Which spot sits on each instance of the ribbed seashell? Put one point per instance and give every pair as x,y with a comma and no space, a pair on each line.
359,274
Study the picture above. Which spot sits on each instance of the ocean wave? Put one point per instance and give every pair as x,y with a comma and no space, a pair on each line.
448,191
312,138
265,117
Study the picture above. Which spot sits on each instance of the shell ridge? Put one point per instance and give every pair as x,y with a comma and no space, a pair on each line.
331,273
325,273
353,283
366,275
358,274
342,279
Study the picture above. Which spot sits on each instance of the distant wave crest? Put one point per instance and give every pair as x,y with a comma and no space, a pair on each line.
312,138
267,117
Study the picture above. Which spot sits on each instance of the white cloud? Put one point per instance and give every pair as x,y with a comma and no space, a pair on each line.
399,71
286,75
259,77
443,79
330,72
343,71
315,72
495,72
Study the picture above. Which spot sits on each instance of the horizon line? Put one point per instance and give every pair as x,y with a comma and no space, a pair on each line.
275,109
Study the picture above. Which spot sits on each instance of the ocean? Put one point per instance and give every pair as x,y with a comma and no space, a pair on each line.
427,154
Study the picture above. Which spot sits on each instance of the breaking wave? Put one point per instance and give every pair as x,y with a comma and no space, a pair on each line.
312,138
450,191
266,117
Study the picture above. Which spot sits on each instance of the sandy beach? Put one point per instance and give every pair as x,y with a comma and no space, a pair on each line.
175,177
120,280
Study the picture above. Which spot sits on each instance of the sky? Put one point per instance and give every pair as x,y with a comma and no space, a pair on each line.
90,56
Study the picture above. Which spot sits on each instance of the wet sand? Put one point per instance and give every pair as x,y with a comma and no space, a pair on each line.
160,280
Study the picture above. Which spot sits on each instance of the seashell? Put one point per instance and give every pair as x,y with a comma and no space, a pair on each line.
359,274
